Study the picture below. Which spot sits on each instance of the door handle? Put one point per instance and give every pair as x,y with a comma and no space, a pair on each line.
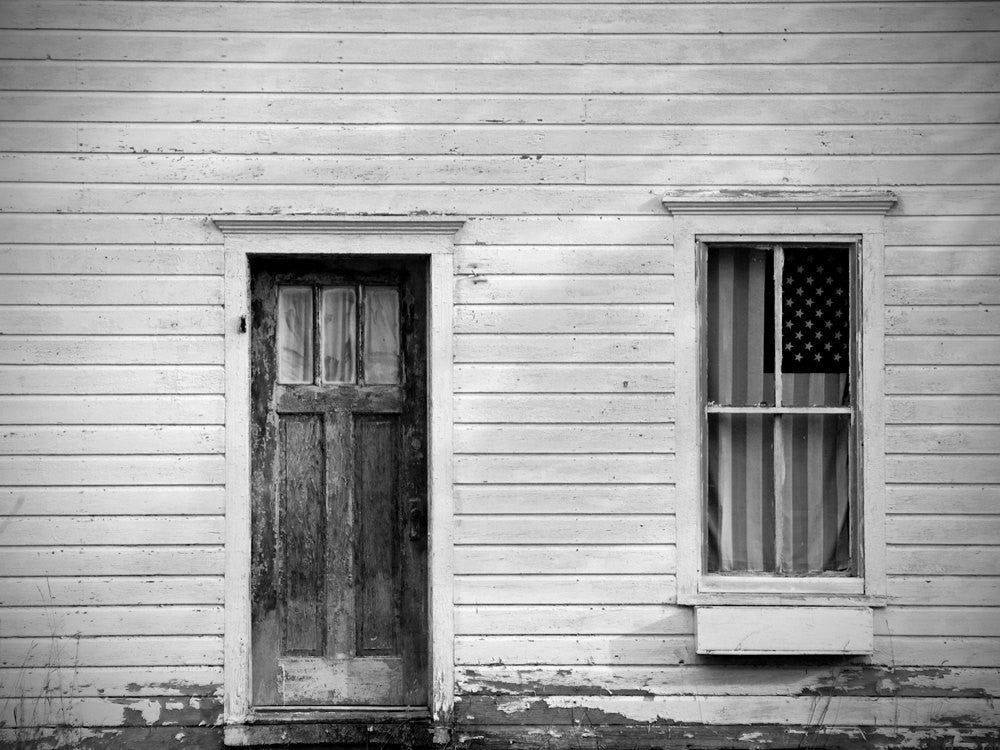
416,521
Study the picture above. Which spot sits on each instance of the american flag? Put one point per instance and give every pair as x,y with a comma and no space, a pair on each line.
744,504
816,316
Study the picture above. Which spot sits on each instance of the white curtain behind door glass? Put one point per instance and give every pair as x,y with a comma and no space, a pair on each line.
381,334
295,334
338,332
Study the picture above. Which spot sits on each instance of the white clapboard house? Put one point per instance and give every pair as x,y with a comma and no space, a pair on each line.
499,374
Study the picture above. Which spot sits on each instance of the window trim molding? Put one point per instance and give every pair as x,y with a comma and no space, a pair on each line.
250,235
782,216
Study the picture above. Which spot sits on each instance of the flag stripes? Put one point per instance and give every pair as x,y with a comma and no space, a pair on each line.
808,497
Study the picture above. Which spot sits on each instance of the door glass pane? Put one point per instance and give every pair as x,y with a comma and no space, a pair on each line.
338,334
740,512
740,326
295,334
816,326
381,334
814,503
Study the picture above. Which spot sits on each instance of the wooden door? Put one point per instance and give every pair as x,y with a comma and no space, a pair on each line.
339,493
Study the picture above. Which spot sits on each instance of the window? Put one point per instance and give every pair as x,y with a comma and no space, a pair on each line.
780,459
777,359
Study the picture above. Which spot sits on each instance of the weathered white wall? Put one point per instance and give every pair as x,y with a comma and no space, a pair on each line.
555,127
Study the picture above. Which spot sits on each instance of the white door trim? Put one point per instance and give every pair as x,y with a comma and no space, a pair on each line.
338,236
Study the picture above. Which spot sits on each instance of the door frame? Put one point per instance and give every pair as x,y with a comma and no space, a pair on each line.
322,236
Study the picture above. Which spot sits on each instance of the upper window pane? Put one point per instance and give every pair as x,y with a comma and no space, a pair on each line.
816,326
740,326
381,334
338,332
295,334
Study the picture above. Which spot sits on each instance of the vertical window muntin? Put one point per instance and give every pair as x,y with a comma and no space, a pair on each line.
303,353
773,408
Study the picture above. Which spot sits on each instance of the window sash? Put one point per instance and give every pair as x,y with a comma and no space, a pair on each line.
783,567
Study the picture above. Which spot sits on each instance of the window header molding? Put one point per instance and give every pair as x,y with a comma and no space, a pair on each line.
336,225
720,202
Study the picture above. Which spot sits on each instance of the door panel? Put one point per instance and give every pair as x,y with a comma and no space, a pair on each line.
339,547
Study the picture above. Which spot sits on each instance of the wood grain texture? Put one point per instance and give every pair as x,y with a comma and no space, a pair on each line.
111,620
563,529
107,409
563,499
131,588
108,350
110,379
111,681
122,559
522,558
576,377
737,679
495,46
108,320
119,440
686,109
111,651
135,500
621,18
566,438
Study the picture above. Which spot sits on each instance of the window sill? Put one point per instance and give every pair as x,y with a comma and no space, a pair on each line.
777,592
784,631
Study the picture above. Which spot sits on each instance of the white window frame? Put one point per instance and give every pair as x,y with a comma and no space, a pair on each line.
254,235
701,217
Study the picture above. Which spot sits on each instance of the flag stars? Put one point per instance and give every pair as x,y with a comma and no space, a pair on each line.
815,313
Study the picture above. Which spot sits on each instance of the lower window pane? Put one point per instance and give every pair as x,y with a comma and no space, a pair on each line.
814,505
740,513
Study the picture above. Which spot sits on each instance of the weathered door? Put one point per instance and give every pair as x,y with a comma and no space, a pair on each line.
338,442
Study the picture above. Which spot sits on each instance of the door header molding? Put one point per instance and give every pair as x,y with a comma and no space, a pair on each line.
337,225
